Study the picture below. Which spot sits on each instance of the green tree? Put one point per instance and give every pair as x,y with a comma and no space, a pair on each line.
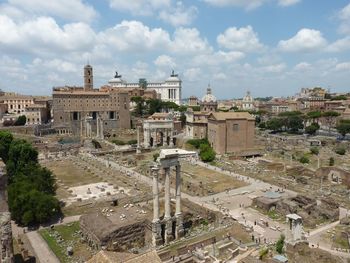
183,119
330,118
331,161
280,244
340,97
294,123
312,129
5,141
21,120
140,107
154,105
21,158
343,127
29,206
314,115
31,187
206,153
274,124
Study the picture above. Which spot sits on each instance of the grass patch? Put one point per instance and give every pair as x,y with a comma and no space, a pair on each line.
70,237
273,215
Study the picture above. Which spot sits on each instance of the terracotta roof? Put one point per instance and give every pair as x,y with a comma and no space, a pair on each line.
221,116
120,257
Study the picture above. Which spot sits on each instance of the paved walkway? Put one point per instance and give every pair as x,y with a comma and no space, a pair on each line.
42,251
323,228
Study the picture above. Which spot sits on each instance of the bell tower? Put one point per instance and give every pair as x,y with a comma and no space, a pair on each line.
88,78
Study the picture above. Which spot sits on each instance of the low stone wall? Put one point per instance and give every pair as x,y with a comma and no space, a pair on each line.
6,249
328,172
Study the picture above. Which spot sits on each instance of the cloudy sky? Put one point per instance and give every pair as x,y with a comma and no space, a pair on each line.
270,47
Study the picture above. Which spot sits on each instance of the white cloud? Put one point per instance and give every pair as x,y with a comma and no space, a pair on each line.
56,65
339,45
165,61
244,39
219,76
218,58
274,68
344,17
306,40
43,35
188,40
251,4
192,74
288,2
140,69
73,10
134,36
179,15
345,66
139,7
302,66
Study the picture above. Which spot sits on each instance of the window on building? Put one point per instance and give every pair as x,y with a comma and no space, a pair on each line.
94,115
75,116
111,115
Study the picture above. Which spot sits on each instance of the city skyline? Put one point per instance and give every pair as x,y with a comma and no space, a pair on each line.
270,47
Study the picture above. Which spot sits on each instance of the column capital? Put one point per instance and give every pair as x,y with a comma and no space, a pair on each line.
155,169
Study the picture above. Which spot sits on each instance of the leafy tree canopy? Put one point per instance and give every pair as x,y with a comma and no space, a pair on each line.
5,141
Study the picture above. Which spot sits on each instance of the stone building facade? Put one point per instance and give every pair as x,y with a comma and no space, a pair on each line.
169,90
16,103
231,132
36,114
197,121
75,109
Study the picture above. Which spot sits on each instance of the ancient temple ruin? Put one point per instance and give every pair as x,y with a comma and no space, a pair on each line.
167,159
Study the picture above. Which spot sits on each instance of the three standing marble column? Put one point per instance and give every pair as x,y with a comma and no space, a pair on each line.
168,219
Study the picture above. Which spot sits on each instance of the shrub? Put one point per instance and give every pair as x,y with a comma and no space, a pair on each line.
155,157
207,154
314,150
331,161
262,125
263,253
197,142
96,144
280,244
21,121
312,129
118,142
131,142
304,159
340,150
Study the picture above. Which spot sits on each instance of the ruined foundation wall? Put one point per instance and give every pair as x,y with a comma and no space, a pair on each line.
124,238
6,250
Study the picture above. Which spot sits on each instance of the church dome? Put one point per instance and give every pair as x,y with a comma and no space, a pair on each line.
209,97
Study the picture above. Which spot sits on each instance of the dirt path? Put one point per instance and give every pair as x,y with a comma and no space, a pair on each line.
42,251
